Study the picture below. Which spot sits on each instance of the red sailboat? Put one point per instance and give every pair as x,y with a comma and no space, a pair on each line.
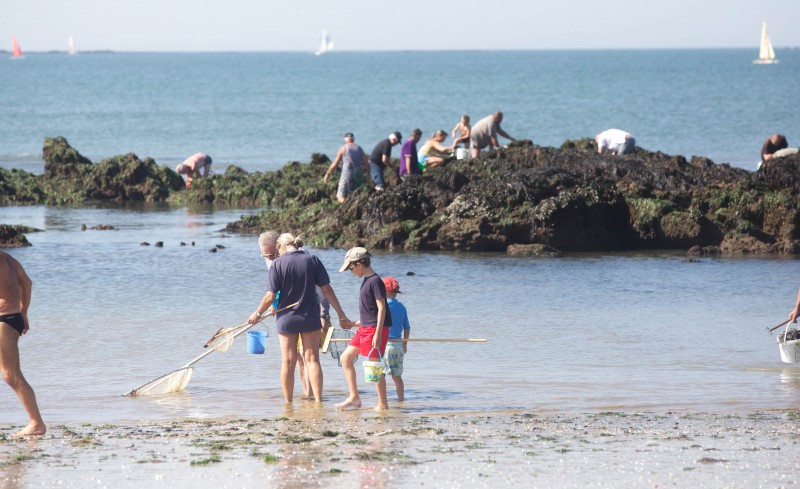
16,52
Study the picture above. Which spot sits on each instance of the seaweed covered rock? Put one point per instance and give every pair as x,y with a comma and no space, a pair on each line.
20,187
71,178
527,199
62,160
13,236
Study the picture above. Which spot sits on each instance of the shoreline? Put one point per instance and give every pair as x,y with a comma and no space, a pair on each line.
520,448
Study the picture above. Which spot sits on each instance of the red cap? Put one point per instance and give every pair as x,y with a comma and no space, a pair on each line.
391,285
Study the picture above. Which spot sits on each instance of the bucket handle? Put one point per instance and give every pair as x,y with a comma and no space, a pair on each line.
380,357
785,332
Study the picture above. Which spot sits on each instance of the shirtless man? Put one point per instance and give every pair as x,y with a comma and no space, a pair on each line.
191,167
15,297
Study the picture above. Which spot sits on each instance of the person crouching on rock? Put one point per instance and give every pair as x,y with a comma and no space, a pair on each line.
191,167
615,141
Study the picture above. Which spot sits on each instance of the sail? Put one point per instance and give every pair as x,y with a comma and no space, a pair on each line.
71,46
325,45
766,54
16,52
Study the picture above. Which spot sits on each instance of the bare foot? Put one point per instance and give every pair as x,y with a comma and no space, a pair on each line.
33,429
380,408
349,404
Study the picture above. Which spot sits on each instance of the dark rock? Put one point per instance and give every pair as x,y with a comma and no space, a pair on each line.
159,244
144,243
212,250
220,247
182,243
12,236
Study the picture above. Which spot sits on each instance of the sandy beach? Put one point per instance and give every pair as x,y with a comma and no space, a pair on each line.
312,447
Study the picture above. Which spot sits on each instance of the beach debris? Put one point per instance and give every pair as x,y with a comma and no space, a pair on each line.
144,243
791,335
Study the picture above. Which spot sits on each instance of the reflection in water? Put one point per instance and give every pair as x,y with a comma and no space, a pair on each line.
790,382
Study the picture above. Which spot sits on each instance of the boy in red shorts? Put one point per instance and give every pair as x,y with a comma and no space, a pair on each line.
373,327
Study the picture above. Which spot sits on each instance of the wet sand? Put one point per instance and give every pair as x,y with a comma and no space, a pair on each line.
364,449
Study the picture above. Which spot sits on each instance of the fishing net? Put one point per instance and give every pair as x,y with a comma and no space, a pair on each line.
223,340
336,348
172,382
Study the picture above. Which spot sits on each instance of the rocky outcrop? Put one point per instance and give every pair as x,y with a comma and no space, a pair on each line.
531,200
13,236
523,199
70,178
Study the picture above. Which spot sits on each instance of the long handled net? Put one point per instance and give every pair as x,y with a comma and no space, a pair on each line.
177,380
338,341
223,338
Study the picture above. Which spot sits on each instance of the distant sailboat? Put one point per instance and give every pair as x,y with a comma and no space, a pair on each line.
766,55
326,45
16,52
71,46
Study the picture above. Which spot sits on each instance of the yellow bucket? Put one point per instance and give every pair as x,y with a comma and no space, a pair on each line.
373,370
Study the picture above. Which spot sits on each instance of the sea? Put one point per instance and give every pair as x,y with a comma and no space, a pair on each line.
577,333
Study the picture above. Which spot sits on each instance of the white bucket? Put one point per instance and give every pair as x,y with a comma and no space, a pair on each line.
789,351
461,153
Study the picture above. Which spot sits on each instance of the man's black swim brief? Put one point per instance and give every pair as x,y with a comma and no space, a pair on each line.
15,321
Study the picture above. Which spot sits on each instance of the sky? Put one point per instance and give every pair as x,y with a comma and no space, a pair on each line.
379,25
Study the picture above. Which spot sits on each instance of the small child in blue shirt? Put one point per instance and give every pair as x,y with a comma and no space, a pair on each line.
400,329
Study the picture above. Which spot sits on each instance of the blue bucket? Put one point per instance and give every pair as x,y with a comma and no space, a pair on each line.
256,342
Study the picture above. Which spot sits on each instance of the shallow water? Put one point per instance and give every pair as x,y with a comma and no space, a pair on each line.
638,331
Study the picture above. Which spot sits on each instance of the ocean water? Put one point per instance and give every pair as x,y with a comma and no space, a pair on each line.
581,333
261,110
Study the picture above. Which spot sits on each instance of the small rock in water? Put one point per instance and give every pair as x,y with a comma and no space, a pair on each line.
83,227
159,244
144,243
212,250
410,274
103,227
192,243
220,247
183,244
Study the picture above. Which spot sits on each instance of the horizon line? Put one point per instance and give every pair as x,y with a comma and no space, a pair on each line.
311,51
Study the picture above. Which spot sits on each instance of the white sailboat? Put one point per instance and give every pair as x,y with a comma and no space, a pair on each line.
71,46
766,55
326,45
